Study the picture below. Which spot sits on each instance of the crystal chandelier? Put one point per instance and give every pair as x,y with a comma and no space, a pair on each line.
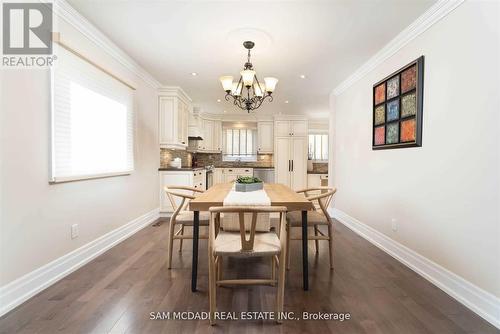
255,93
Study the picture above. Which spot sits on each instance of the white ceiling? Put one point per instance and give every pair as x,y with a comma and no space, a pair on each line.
325,40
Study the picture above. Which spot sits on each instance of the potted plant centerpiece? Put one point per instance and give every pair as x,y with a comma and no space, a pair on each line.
248,183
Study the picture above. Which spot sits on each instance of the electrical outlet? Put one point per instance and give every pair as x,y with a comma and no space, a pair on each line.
74,231
394,225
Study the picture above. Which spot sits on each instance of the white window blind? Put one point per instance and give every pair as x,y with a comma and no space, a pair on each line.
92,121
318,147
240,144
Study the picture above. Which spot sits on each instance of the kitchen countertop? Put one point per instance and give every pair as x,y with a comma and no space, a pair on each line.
314,172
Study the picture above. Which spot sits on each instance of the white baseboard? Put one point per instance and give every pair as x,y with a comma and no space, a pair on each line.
25,287
476,299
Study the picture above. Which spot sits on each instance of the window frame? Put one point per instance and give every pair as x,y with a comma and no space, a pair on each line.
246,157
319,133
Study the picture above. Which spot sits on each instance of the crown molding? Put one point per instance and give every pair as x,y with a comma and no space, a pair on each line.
174,91
65,11
433,15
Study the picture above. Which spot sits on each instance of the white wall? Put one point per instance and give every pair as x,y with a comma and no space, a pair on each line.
445,194
35,216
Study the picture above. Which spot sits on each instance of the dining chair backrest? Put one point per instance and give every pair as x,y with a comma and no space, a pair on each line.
184,193
247,245
324,198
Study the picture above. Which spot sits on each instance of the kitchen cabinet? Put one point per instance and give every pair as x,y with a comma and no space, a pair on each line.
290,128
173,114
290,152
265,137
191,178
218,175
231,174
211,132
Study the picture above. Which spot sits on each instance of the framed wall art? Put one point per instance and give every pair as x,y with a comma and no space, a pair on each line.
397,108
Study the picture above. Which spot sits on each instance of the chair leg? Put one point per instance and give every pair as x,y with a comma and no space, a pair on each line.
330,244
170,244
288,233
281,286
220,268
273,270
180,241
212,288
316,242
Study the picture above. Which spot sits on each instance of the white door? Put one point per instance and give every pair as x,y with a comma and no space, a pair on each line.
265,137
298,128
298,155
282,162
282,128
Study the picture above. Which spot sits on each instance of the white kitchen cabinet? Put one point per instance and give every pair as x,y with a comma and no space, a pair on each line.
290,161
189,178
173,113
231,174
218,175
211,132
217,136
265,137
290,152
290,128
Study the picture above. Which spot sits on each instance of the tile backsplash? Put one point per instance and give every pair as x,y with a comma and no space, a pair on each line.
166,155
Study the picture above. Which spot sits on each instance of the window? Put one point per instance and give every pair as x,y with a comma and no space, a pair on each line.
318,147
92,121
240,144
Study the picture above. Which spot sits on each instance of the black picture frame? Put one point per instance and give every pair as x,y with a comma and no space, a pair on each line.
418,116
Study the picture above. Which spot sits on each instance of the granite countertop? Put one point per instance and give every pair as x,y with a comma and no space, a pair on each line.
316,172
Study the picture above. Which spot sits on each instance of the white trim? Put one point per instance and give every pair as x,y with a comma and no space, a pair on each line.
70,15
17,292
88,177
476,299
435,13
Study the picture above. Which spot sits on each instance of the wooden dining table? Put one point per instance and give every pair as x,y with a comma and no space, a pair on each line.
279,194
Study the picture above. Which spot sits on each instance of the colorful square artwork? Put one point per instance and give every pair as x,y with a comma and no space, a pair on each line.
408,130
379,135
409,79
380,115
392,136
409,105
393,87
380,94
397,108
393,110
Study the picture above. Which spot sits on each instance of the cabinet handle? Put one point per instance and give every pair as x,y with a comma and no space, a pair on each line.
292,165
289,169
184,142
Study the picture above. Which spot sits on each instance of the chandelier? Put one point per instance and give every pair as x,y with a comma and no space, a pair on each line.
255,93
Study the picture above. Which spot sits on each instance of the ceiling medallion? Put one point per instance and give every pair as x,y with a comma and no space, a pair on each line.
255,93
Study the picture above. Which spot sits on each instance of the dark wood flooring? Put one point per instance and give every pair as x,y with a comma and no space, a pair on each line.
116,292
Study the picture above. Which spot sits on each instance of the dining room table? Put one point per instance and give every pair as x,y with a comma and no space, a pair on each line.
279,194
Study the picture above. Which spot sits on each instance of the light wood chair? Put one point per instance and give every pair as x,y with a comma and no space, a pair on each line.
181,216
321,198
236,244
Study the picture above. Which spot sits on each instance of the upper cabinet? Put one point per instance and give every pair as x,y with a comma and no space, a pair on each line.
265,137
211,132
173,113
290,128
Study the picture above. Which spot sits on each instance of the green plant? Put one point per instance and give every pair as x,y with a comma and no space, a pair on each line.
248,179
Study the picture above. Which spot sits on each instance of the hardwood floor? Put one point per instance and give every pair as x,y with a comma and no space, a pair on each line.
116,292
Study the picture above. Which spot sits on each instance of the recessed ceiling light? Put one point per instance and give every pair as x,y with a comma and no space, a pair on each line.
286,101
194,74
224,111
302,76
218,100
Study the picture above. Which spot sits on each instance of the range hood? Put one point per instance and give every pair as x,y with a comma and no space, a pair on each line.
194,137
